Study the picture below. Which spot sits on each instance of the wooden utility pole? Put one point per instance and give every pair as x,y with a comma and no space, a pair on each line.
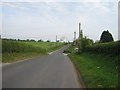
74,38
56,40
79,40
79,29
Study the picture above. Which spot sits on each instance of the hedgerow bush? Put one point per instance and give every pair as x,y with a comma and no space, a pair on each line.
105,48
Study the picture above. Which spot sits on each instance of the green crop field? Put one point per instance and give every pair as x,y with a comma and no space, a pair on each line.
48,46
16,50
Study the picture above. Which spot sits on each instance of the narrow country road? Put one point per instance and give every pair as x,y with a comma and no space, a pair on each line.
51,71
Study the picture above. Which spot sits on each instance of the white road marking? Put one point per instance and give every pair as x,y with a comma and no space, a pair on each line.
50,53
65,54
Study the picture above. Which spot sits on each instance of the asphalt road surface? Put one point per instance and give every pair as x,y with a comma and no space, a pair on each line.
51,71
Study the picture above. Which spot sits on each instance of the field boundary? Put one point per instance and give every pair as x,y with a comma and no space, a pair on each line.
33,57
19,61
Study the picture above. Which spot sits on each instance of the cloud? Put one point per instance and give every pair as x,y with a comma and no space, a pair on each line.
48,19
60,0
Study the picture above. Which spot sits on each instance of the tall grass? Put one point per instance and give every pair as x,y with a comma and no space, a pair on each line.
14,50
48,46
16,47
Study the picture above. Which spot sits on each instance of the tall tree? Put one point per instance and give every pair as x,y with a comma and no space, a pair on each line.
106,36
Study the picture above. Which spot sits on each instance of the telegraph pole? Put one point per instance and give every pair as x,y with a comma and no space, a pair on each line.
74,38
79,29
79,40
56,40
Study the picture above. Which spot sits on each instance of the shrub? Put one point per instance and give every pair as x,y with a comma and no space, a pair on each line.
105,48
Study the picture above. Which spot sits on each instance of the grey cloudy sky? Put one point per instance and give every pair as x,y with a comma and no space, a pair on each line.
44,20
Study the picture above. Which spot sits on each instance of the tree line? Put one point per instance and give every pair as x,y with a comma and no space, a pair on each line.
28,40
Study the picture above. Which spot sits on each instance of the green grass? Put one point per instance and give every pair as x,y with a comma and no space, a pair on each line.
18,50
12,57
98,71
48,46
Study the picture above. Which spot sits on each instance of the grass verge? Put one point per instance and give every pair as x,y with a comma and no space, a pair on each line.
98,70
12,57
